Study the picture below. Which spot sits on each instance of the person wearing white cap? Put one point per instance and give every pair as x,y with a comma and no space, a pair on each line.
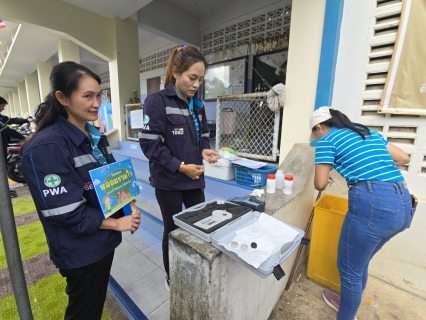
380,205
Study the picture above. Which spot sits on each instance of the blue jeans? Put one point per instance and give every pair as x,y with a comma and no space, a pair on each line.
377,211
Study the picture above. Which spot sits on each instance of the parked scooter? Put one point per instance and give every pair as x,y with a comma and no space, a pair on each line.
13,163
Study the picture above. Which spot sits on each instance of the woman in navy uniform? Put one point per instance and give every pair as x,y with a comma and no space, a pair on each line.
175,139
55,163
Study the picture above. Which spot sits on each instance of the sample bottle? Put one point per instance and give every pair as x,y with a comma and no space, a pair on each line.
279,179
270,183
288,184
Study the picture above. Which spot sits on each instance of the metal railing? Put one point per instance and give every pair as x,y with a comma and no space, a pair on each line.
132,134
246,124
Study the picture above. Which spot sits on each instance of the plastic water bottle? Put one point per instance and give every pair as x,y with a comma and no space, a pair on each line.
288,184
270,183
279,179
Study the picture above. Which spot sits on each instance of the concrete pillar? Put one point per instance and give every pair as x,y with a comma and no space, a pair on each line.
33,94
17,102
22,92
124,68
43,74
68,51
217,287
307,20
11,103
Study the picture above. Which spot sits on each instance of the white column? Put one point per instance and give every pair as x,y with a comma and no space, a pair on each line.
17,102
33,94
307,21
43,74
10,106
22,92
124,68
68,51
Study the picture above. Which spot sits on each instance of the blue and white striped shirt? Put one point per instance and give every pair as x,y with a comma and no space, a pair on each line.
357,159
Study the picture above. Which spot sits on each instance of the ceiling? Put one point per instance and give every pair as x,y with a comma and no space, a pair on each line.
125,8
209,6
110,8
39,44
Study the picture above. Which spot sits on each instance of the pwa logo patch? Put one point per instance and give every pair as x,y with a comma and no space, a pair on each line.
178,132
52,181
423,88
54,191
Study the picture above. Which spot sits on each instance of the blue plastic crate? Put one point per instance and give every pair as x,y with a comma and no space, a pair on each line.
254,178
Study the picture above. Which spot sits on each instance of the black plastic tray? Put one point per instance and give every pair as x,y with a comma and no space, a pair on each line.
195,214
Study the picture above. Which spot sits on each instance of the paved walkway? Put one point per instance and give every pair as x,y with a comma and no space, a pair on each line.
138,268
381,301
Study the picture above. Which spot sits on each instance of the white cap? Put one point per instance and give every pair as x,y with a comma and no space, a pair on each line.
320,115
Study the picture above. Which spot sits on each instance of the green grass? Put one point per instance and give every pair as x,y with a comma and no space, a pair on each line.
22,205
32,242
48,300
47,297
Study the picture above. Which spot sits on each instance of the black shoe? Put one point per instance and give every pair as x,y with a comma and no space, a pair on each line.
167,284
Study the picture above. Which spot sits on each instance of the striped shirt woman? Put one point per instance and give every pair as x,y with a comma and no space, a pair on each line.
379,201
357,159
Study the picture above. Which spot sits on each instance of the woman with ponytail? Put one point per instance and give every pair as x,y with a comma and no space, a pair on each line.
175,139
380,205
56,163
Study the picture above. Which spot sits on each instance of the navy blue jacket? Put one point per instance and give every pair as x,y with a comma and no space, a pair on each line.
55,163
169,138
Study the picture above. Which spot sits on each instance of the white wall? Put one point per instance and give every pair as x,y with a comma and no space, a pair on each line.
150,43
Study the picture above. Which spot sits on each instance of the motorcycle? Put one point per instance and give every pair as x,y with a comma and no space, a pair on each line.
13,162
13,152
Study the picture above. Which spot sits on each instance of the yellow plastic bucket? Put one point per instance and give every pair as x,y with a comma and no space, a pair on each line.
329,213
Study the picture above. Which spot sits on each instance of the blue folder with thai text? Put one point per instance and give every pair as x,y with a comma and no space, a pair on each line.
116,186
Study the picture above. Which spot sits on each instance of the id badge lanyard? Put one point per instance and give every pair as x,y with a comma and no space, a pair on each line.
94,138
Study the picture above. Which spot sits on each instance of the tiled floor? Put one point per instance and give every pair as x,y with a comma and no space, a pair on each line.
138,262
138,268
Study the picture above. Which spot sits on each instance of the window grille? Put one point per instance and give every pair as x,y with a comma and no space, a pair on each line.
246,124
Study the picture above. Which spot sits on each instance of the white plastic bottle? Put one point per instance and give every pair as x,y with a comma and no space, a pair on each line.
288,184
270,183
279,179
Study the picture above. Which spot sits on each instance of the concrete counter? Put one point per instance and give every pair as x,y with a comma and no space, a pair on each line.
207,284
